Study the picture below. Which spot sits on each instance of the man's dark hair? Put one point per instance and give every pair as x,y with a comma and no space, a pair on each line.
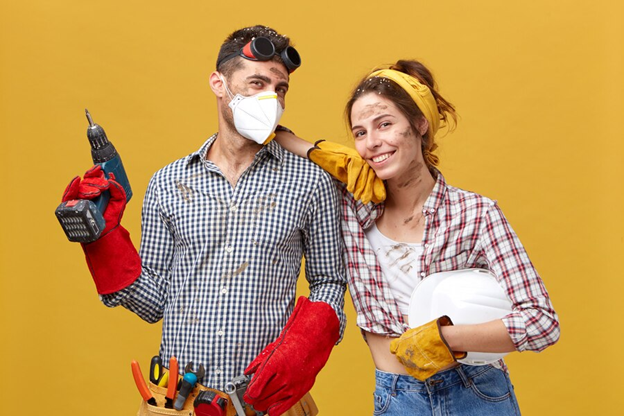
234,42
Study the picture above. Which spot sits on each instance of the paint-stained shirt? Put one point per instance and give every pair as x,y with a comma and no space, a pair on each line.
462,230
220,263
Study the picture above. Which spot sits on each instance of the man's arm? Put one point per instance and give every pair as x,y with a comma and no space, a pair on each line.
323,248
146,296
287,368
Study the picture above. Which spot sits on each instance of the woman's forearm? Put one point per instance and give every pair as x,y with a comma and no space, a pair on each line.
293,143
487,337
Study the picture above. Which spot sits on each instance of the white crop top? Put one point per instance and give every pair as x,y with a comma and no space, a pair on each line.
399,265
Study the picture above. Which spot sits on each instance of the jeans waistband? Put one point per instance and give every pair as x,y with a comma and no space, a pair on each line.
442,380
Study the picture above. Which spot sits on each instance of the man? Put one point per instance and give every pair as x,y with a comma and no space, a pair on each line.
223,233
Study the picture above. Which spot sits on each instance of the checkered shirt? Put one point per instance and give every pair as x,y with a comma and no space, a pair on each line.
220,263
462,230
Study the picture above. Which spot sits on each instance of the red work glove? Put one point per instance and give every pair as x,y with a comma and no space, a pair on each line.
113,261
286,369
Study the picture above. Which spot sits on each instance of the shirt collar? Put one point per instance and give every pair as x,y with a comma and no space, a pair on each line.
437,194
272,148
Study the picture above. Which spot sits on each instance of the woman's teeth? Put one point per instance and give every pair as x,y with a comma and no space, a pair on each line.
381,158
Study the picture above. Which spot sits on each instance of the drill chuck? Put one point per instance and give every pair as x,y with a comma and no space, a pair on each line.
102,150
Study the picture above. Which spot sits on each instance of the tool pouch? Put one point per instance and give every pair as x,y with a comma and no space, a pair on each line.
304,407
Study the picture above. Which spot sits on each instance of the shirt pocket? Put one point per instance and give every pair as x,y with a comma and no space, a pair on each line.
450,250
275,221
193,216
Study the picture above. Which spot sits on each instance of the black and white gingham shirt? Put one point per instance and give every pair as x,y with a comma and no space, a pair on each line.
220,263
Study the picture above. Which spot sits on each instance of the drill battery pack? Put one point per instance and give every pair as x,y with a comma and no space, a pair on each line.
81,220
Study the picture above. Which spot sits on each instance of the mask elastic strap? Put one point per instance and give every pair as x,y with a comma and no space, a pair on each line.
226,87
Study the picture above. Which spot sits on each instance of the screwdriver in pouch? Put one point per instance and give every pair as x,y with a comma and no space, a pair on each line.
156,370
188,384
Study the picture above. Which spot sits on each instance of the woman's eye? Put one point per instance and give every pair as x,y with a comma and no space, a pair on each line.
384,124
358,134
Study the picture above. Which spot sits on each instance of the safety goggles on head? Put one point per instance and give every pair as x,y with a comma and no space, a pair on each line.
262,49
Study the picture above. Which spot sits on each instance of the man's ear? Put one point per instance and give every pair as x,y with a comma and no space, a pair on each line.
216,84
423,125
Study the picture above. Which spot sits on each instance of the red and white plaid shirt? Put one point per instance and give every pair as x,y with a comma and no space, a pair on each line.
462,230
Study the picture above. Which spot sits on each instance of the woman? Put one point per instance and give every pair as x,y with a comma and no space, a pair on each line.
394,115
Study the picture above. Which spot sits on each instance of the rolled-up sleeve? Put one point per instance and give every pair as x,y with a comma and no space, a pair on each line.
533,324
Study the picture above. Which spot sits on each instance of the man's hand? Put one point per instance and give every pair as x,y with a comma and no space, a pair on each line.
113,260
286,369
423,351
91,187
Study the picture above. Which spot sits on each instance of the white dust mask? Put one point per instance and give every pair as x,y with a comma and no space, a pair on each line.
256,117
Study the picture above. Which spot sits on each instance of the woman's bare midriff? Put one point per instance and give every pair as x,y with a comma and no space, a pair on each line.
382,357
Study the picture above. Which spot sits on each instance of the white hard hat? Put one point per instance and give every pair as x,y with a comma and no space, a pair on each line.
470,296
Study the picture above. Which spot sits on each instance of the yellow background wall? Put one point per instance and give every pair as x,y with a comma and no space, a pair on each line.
539,87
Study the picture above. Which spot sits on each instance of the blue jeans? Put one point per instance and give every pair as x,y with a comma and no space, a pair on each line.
464,390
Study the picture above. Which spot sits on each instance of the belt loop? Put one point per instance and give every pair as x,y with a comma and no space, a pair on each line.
393,385
463,376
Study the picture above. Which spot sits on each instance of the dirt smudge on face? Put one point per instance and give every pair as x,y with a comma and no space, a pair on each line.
278,73
371,109
405,133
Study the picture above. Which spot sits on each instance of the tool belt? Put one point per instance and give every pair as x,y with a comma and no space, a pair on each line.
305,407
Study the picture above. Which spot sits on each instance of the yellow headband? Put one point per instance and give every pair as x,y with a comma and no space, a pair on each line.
420,93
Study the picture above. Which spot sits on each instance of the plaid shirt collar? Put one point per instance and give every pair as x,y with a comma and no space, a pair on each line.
431,205
437,195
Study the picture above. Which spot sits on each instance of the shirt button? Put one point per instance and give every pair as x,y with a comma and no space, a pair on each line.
229,249
426,245
220,332
233,208
422,274
218,371
224,290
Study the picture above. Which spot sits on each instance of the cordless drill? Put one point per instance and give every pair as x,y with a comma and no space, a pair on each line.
82,219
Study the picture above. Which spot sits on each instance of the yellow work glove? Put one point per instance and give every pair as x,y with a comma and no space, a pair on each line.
423,351
346,165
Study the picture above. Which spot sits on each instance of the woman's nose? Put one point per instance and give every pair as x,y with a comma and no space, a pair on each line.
372,141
